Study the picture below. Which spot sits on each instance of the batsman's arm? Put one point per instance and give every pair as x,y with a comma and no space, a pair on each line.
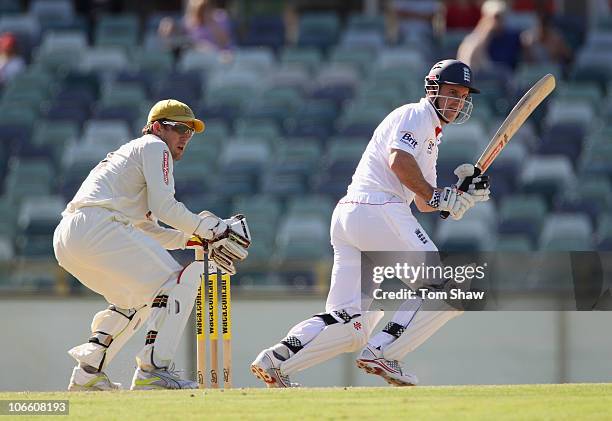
410,175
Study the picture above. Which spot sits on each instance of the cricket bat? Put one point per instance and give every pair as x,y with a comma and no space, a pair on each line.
519,114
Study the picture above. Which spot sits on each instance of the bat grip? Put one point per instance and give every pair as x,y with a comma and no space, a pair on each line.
463,187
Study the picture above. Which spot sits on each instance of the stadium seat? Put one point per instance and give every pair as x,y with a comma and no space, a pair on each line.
546,175
298,157
10,7
108,133
219,204
401,58
119,30
572,232
265,30
336,82
206,61
55,135
320,30
563,138
302,57
596,160
259,60
528,74
464,236
360,59
484,212
513,243
104,60
9,212
266,129
366,40
278,181
44,10
313,204
245,154
29,177
571,111
301,240
159,63
287,76
40,215
522,214
183,86
366,22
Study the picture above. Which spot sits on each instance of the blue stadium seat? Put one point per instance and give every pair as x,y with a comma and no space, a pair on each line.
571,232
308,58
318,30
546,175
562,138
267,30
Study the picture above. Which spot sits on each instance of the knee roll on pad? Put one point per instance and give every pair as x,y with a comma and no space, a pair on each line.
169,314
423,325
111,328
333,340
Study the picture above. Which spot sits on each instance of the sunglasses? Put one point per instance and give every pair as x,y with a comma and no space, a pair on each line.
180,128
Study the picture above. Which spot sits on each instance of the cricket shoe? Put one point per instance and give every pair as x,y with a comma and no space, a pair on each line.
372,362
84,381
266,368
160,378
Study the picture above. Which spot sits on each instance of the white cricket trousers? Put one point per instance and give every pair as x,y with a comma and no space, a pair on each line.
111,257
369,222
366,222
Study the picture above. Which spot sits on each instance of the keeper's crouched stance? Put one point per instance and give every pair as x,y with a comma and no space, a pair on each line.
110,240
397,168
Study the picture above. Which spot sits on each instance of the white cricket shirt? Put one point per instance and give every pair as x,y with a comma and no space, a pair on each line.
413,128
136,181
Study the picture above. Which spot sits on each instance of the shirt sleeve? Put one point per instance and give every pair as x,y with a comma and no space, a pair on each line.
157,169
407,135
170,239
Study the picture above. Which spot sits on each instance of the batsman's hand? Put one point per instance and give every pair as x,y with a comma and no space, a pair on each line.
479,185
452,200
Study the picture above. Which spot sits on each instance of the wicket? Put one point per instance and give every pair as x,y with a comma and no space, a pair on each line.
209,289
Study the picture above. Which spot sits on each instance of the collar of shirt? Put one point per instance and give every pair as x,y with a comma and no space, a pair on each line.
435,120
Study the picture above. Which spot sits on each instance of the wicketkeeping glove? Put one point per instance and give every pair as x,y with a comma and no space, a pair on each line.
231,245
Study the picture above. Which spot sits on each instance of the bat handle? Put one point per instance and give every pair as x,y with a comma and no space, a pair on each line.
463,187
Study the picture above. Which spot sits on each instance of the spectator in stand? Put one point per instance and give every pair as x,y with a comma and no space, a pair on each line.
491,45
204,27
544,43
461,14
11,63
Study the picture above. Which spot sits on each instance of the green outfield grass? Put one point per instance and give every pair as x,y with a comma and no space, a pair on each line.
521,402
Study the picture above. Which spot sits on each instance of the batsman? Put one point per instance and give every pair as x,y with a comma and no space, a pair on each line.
110,239
397,168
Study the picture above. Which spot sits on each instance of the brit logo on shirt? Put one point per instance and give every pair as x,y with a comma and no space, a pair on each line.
408,139
166,166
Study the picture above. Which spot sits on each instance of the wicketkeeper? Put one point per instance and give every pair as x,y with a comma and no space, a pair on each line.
110,239
397,168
